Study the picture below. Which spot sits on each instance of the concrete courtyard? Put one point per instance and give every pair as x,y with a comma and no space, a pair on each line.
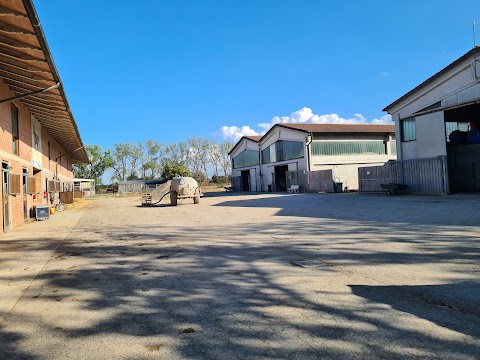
382,277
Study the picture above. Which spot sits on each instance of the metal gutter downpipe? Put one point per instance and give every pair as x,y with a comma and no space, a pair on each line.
260,167
307,144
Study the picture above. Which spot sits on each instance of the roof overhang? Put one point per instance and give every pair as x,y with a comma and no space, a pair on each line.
26,66
470,55
340,129
240,141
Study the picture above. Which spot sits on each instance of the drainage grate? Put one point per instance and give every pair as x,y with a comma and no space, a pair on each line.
308,263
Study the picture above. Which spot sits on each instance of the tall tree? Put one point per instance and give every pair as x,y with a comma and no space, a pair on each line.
215,157
126,157
100,161
225,163
151,160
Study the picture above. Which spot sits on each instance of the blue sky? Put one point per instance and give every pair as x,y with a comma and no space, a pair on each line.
169,70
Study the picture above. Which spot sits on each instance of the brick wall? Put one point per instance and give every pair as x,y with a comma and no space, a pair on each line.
24,158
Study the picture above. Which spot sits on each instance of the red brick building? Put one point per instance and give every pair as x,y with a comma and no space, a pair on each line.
39,139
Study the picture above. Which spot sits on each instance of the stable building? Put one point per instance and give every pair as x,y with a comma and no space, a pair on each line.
39,139
295,148
439,121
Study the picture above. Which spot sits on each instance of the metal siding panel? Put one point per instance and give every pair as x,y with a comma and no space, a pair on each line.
421,175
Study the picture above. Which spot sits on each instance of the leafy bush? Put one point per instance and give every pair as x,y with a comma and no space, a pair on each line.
171,170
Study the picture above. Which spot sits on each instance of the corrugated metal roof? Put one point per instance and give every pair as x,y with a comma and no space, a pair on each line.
341,128
26,65
254,138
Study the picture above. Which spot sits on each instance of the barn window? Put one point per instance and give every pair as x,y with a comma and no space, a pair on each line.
330,148
393,147
246,158
266,156
32,185
14,184
282,150
408,129
288,150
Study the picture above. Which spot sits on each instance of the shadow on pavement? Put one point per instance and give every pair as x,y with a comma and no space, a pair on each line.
161,280
435,303
414,209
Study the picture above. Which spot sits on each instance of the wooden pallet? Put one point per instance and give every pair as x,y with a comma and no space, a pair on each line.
146,199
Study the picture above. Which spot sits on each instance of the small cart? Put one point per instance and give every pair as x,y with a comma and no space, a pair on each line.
393,189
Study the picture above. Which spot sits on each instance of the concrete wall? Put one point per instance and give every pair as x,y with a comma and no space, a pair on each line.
24,158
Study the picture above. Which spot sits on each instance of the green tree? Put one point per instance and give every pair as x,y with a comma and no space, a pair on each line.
100,161
171,170
150,162
126,158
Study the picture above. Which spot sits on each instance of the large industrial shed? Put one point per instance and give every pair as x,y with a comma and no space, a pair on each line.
39,141
440,119
342,148
245,157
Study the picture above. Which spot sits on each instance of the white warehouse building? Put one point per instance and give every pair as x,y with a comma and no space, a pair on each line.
261,163
440,119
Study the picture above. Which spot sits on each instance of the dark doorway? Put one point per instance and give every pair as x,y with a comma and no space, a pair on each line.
281,178
245,175
7,220
462,128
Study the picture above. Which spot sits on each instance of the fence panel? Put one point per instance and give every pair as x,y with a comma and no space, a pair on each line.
320,180
423,176
237,183
66,197
297,178
370,178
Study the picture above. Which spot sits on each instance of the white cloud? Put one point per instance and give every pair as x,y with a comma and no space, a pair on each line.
384,120
385,74
235,132
303,116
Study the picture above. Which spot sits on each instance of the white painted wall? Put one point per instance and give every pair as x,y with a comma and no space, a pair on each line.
246,144
280,133
455,87
409,150
345,167
346,173
431,138
253,178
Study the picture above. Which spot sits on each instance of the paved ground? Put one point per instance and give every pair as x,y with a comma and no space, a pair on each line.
395,277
